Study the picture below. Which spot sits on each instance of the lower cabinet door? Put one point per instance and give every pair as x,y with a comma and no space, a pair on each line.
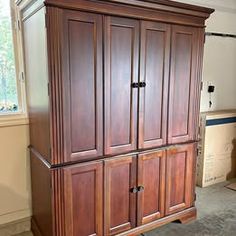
120,194
151,187
180,176
83,186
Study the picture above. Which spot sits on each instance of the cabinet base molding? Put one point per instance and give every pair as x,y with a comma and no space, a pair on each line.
184,217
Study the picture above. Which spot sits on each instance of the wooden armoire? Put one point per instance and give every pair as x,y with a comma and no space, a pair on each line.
113,95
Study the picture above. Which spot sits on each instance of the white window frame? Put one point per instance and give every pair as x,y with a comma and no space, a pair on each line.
20,117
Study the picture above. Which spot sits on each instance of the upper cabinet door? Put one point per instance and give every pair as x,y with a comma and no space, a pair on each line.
180,178
82,85
154,72
121,72
183,78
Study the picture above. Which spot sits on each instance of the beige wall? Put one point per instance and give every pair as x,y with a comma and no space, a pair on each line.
14,174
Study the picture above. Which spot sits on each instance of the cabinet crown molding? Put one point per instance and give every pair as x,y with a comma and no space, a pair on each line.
172,7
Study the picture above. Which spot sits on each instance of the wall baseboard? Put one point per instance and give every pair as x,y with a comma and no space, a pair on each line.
15,227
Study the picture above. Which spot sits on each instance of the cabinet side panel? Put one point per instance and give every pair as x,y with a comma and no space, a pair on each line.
41,197
35,45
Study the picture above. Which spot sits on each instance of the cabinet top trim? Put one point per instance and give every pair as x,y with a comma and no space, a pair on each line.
96,5
166,5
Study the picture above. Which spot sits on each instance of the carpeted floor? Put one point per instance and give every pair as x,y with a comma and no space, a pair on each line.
216,215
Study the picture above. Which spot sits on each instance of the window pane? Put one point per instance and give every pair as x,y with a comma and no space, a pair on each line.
8,87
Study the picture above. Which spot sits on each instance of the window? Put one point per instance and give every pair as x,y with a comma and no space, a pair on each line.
11,88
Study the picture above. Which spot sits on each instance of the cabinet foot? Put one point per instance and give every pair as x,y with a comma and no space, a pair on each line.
188,218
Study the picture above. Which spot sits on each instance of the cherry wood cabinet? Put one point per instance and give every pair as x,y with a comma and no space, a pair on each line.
113,89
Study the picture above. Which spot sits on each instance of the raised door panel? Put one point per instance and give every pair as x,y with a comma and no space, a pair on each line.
151,177
82,85
154,71
180,172
120,201
83,186
121,70
183,79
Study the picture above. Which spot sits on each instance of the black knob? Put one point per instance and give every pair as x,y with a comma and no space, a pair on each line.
135,85
140,188
142,84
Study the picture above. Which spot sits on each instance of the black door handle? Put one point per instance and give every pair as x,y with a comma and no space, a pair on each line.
135,85
142,84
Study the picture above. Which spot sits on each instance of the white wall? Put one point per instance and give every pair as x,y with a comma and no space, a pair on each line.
220,55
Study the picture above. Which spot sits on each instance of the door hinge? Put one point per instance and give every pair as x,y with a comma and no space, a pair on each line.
22,77
198,152
48,89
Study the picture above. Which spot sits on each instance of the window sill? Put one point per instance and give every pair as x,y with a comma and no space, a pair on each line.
13,120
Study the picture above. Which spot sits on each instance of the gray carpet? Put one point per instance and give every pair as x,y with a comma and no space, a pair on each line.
216,215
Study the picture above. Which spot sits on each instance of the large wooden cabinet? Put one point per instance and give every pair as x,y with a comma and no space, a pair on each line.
113,92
